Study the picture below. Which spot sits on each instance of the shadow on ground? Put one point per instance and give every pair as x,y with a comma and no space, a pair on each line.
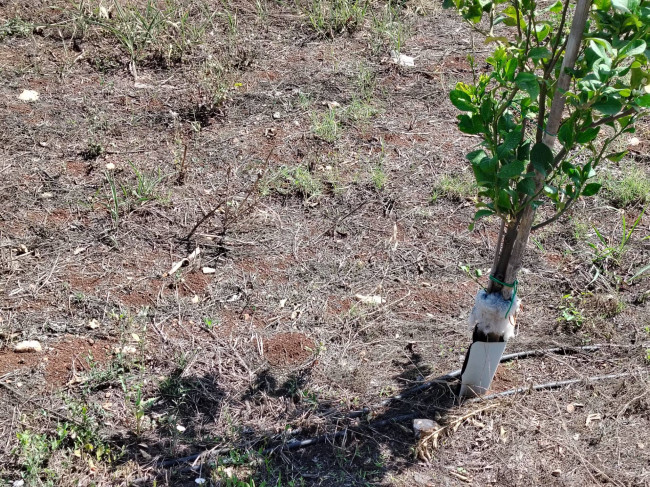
333,444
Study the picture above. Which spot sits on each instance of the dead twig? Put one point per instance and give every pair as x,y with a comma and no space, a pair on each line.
228,218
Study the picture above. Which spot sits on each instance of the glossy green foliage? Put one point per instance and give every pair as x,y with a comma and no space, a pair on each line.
507,104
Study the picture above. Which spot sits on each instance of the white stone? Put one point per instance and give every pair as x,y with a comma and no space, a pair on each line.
28,95
28,346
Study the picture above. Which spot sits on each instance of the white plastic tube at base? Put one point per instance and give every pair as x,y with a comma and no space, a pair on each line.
491,316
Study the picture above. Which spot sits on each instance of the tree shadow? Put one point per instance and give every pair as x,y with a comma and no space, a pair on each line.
338,446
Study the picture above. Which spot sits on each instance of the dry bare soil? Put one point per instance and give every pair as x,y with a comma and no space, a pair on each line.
319,171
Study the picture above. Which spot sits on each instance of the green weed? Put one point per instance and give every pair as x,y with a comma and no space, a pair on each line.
124,197
168,33
332,17
326,125
379,177
287,181
610,251
453,187
73,439
389,31
360,110
630,189
15,27
570,312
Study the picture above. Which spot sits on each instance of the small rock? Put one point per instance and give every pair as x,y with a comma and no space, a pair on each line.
369,299
402,59
556,473
424,426
93,324
110,166
195,299
28,346
208,270
126,350
28,95
47,195
18,483
277,115
570,408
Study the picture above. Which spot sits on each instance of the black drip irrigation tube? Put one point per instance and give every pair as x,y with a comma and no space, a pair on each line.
297,444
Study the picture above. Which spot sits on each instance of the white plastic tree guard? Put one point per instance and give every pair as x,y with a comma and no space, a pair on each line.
493,323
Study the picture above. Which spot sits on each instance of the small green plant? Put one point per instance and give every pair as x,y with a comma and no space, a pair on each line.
33,451
305,100
633,187
453,187
140,407
93,151
124,197
296,180
365,82
570,313
326,125
168,32
79,438
135,29
389,30
210,323
332,17
15,27
379,177
360,110
605,252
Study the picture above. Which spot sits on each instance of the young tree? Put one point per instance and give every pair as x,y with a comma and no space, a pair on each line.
573,73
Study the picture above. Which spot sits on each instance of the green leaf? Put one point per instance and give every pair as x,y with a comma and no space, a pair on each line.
526,186
539,53
555,8
542,31
600,47
462,100
482,213
609,105
591,189
633,48
616,156
541,157
509,70
475,157
528,83
470,125
512,170
621,5
511,141
587,135
503,201
643,101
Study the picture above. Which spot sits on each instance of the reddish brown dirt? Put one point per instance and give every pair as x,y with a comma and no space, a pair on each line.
288,349
58,361
193,283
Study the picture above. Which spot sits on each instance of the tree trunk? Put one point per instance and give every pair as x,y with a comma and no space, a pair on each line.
490,334
512,251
